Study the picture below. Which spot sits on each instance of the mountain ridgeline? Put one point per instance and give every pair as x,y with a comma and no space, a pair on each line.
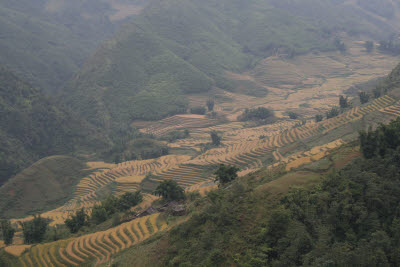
32,126
179,47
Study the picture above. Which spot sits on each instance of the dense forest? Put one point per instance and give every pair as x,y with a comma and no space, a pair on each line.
350,218
32,126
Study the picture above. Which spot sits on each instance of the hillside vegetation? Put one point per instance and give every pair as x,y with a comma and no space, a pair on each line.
33,126
178,47
46,41
47,183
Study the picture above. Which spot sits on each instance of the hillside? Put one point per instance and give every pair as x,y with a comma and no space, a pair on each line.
33,126
46,41
175,48
47,183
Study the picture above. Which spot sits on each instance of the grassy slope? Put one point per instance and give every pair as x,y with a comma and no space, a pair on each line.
33,126
46,184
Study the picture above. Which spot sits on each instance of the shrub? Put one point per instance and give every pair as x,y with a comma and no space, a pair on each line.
257,114
364,97
334,112
293,115
319,118
210,104
77,221
198,110
215,138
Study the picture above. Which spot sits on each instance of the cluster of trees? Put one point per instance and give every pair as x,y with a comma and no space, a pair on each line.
384,140
258,114
390,47
225,174
34,231
104,211
350,218
7,231
169,190
176,135
340,45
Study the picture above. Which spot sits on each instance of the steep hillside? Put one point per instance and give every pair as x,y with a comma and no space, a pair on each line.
46,41
47,183
178,47
33,127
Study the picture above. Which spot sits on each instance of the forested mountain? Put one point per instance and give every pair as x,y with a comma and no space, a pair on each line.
32,126
46,41
178,47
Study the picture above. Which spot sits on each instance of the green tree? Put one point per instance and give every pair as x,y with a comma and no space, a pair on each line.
215,138
333,112
364,97
210,104
319,117
343,102
368,143
129,200
369,46
34,230
198,110
293,115
226,174
77,221
7,231
377,92
99,214
169,190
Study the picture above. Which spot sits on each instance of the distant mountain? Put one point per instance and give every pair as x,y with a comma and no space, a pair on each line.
179,47
46,41
32,126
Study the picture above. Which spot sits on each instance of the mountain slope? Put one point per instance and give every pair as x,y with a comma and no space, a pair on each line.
46,41
177,47
45,184
33,127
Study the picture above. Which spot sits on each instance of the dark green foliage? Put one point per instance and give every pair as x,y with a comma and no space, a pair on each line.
129,200
137,148
364,97
7,231
169,190
258,114
226,174
293,115
77,221
112,204
377,92
215,138
210,104
343,102
34,230
341,46
350,218
198,110
333,112
318,118
32,127
390,47
384,140
176,135
369,46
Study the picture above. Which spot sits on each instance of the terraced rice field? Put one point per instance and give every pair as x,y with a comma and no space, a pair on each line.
178,122
97,247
